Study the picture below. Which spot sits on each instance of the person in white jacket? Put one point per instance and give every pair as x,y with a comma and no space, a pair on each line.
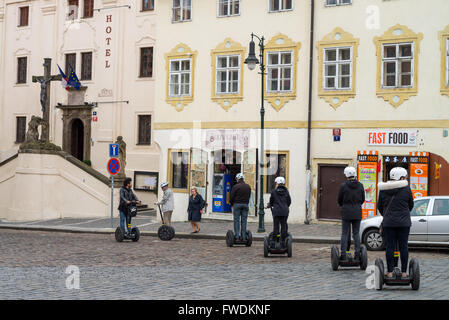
167,203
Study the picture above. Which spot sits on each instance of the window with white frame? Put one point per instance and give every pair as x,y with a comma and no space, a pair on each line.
180,77
228,74
397,65
228,8
280,5
280,70
182,10
337,68
337,2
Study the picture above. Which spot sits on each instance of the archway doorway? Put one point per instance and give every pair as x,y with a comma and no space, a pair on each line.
77,139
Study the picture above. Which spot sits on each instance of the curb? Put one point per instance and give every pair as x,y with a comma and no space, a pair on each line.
180,235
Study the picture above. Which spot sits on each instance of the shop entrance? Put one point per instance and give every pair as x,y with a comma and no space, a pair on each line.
390,162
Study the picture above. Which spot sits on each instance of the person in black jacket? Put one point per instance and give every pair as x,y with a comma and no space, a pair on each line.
394,204
240,195
280,202
351,197
195,209
126,196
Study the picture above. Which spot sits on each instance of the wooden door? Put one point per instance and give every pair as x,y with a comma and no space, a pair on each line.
330,178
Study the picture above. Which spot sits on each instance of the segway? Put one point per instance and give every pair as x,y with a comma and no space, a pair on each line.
165,233
134,235
350,261
413,278
231,240
273,245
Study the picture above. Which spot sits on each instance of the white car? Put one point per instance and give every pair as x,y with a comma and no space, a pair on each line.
430,224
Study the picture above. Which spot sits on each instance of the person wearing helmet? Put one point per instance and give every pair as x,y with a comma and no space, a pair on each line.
240,195
395,203
280,202
167,203
351,197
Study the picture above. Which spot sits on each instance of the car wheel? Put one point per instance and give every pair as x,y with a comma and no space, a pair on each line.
373,240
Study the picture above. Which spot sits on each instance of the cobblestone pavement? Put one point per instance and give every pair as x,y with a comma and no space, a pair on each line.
33,266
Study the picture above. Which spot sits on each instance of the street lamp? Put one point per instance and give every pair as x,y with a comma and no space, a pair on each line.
251,61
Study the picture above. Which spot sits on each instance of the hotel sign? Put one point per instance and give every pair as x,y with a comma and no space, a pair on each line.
393,138
232,139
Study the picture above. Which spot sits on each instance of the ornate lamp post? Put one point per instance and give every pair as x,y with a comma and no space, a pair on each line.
251,61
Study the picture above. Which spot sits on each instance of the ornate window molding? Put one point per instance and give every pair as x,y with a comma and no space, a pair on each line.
394,35
227,47
181,51
280,43
444,40
338,38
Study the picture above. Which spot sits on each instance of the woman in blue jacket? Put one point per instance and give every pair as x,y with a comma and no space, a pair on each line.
196,205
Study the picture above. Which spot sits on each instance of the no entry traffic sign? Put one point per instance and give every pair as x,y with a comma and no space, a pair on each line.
113,166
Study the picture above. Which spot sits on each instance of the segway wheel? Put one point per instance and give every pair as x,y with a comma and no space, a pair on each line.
414,273
265,246
166,233
335,256
289,246
135,232
363,258
229,238
379,273
249,238
119,234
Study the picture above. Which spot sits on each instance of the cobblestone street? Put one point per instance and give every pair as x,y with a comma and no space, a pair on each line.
33,266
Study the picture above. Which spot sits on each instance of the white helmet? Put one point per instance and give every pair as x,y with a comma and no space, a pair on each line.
239,176
163,184
350,172
397,173
279,180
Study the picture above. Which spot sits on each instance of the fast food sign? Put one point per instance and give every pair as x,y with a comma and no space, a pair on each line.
393,138
419,174
367,176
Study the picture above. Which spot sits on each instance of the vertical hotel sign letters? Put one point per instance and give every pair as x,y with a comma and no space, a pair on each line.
367,176
108,39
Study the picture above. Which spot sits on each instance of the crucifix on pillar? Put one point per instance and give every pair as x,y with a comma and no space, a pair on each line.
45,82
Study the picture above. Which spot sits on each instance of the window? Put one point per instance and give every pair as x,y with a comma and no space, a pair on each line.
86,66
20,129
441,207
447,62
337,68
420,208
228,8
280,5
337,2
23,16
88,11
147,5
182,10
144,129
70,60
228,74
397,65
180,77
276,166
72,13
146,62
280,70
179,169
22,70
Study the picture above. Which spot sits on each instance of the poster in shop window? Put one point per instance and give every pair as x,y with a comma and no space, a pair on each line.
368,178
419,179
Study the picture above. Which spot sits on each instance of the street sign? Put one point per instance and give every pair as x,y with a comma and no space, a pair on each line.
113,150
113,166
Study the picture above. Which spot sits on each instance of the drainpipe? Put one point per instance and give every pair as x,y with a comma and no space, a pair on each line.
309,116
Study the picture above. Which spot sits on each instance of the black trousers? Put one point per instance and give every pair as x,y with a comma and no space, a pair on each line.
282,222
397,237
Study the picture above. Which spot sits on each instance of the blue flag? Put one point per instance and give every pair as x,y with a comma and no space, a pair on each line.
73,80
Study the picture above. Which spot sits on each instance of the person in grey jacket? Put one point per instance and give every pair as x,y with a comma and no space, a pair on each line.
167,203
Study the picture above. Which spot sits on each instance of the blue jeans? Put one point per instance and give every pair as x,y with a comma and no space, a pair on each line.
240,211
345,229
397,238
124,218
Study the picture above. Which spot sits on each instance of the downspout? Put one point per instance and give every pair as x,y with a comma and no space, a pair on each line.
309,116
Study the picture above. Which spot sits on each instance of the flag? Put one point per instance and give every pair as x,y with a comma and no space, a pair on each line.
65,80
73,80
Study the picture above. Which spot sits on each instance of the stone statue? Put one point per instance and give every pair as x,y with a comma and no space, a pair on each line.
32,132
121,156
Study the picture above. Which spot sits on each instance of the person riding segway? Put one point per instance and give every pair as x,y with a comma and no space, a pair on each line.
240,195
351,197
279,242
166,206
394,204
128,210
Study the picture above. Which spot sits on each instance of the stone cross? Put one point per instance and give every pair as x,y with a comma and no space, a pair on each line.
45,82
